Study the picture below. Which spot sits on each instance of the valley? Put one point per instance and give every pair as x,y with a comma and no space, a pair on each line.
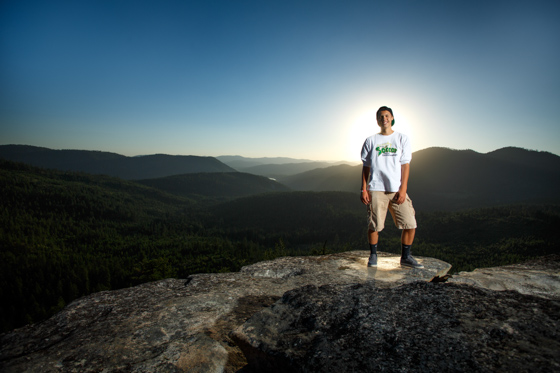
65,234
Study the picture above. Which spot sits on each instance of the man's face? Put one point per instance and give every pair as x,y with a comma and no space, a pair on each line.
384,119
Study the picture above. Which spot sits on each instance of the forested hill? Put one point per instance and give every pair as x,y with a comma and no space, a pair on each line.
64,235
443,178
446,179
281,170
275,167
238,162
105,163
216,185
342,178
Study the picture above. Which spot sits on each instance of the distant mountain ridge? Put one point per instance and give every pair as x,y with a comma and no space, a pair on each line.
239,162
112,164
440,178
543,160
444,179
334,178
282,170
464,178
274,167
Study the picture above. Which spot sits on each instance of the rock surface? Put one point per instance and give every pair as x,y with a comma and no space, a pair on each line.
295,312
417,327
539,277
183,325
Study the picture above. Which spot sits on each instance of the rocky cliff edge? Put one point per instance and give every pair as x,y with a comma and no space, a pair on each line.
323,313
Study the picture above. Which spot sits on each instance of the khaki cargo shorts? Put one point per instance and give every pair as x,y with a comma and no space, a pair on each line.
403,215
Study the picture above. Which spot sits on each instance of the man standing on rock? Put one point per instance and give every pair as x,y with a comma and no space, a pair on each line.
386,157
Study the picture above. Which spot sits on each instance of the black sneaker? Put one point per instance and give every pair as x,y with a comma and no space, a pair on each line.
372,262
409,261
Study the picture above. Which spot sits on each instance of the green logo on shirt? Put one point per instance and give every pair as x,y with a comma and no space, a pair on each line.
385,149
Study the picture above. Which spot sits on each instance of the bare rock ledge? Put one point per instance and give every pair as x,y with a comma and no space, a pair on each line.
326,313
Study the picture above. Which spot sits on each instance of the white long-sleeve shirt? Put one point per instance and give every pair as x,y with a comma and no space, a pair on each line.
385,155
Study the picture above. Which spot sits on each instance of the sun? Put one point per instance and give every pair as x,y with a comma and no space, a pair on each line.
361,126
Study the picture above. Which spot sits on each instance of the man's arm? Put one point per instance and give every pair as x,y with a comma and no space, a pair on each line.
400,197
365,177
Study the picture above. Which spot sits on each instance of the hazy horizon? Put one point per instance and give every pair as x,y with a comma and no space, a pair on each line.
297,79
266,157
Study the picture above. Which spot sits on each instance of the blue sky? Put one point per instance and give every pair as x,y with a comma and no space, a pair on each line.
298,79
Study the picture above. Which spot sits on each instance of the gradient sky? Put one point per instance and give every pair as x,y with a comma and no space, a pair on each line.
269,78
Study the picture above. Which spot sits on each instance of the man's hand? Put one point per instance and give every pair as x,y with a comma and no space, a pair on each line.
365,197
400,196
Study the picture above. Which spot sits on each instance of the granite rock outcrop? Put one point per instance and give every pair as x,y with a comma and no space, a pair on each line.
538,277
417,327
208,322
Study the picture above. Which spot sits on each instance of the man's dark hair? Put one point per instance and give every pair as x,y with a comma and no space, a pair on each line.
385,108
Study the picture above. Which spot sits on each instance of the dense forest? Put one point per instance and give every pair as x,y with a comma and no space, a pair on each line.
65,234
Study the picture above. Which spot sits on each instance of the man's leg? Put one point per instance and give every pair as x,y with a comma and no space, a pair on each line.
403,215
407,260
407,236
373,239
377,211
